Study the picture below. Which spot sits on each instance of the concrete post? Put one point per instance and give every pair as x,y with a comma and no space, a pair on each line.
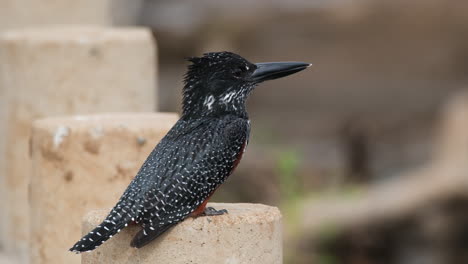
57,71
24,13
81,163
249,234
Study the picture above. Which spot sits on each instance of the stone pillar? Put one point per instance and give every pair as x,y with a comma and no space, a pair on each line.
82,163
21,13
57,71
249,234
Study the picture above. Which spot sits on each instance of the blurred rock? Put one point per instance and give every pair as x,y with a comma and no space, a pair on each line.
453,141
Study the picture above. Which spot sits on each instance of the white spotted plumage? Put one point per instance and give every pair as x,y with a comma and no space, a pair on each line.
175,180
193,159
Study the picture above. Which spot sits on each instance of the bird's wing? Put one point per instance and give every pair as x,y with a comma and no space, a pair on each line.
179,174
207,158
144,188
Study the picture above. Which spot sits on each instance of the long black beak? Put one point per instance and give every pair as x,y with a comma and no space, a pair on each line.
274,70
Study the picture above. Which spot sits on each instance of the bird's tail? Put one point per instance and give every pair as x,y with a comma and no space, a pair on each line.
100,234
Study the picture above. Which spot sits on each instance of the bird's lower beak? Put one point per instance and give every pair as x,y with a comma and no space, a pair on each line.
274,70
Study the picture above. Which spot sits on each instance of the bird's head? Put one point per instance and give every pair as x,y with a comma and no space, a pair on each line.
219,82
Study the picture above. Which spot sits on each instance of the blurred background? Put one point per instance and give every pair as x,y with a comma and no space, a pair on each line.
350,131
366,112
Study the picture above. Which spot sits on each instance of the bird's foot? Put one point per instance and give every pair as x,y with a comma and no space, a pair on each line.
210,211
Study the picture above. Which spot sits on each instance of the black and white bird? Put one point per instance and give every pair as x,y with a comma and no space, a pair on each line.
197,154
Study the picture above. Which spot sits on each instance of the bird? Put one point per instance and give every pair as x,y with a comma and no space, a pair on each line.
197,154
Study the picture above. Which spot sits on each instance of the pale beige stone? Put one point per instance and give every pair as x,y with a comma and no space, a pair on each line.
82,163
21,13
58,71
5,259
248,234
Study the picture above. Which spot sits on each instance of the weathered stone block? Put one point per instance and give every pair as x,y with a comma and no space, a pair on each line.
250,233
82,163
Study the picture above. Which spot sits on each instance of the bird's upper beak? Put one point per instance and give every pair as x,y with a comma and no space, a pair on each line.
273,70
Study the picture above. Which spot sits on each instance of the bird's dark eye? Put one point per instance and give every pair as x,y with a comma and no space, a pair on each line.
237,72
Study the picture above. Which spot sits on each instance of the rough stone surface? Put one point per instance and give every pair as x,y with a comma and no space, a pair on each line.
21,13
58,71
5,259
82,163
250,233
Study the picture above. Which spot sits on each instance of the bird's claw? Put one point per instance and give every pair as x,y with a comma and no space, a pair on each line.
210,211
